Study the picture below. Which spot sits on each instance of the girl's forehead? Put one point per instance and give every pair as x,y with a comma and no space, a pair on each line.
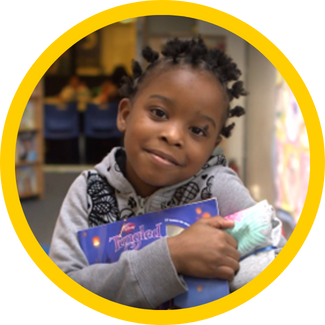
185,89
185,78
181,83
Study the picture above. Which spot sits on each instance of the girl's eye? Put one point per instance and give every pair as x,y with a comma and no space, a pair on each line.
159,113
198,131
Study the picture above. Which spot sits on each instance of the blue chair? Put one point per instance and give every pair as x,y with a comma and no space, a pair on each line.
61,133
100,121
61,123
46,248
100,129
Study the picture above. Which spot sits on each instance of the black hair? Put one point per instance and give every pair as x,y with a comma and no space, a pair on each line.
117,75
195,54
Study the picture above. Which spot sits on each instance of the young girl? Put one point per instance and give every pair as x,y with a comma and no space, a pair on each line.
173,115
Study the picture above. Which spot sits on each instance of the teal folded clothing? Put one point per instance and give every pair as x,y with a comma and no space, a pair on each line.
253,228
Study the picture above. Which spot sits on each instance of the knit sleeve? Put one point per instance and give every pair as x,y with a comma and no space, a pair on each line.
142,279
231,194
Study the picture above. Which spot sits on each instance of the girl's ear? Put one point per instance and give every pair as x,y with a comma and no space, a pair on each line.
124,109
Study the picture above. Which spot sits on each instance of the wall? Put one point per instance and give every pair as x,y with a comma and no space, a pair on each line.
128,40
169,25
261,79
122,37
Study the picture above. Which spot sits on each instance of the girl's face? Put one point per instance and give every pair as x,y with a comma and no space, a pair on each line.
171,127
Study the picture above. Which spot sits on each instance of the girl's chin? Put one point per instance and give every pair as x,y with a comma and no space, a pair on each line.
157,183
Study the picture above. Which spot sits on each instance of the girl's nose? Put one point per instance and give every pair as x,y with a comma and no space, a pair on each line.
173,135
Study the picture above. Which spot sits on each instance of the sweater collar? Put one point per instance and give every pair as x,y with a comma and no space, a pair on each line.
112,167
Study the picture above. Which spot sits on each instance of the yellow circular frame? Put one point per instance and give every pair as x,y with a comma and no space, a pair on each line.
291,41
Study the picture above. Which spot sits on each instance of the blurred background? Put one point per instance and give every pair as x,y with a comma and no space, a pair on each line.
69,122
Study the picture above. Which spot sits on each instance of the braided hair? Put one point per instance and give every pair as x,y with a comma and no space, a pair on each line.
192,53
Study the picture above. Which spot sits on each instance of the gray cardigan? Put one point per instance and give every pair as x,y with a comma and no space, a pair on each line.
145,278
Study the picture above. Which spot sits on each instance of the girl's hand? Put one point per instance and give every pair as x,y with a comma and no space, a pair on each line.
205,250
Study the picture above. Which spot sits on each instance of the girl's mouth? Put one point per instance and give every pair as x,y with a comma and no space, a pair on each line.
163,158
